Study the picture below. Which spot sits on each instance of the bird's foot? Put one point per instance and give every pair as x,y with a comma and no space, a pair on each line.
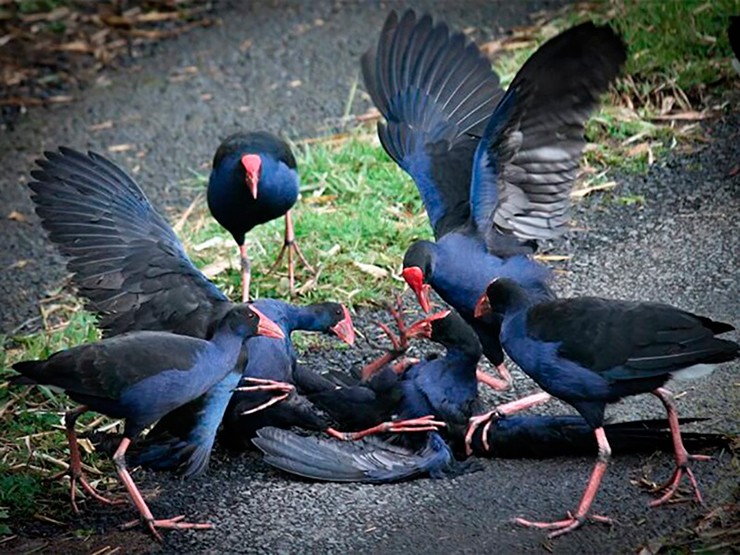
399,343
283,390
671,486
423,424
564,526
78,478
174,522
502,383
291,247
474,423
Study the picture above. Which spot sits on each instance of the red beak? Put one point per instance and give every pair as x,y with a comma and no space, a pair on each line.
482,307
252,166
423,328
267,327
415,279
344,329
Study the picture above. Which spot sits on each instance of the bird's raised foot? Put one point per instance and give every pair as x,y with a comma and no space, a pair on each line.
474,423
171,523
561,527
284,390
671,485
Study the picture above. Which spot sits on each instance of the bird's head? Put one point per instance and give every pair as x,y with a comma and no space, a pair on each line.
252,164
418,264
334,318
248,321
501,294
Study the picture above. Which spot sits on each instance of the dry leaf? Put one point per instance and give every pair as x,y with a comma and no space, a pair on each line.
107,124
17,217
689,115
638,149
215,268
209,244
580,193
552,257
245,45
375,271
121,148
295,83
86,445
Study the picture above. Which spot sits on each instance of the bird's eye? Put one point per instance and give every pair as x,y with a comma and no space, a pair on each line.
339,311
251,315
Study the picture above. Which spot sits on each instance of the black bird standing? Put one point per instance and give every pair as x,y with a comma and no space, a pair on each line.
140,377
590,351
254,181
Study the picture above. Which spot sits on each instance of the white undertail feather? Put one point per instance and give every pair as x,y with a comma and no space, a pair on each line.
694,372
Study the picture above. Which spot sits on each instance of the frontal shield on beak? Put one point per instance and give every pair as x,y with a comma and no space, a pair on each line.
482,307
344,329
252,166
267,327
415,279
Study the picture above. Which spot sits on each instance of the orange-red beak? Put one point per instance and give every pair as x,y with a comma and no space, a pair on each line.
415,279
344,329
252,166
267,327
423,328
483,306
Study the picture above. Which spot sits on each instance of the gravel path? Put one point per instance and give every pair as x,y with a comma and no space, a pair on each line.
680,246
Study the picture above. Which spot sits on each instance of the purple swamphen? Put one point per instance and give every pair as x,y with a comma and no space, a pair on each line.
494,169
254,181
184,438
140,377
590,351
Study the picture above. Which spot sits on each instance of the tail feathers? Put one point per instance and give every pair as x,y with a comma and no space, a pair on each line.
188,459
552,436
370,460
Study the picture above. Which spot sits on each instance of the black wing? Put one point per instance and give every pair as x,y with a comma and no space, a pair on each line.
369,460
127,261
626,340
528,157
436,94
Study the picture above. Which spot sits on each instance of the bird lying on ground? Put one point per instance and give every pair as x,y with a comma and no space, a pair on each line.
590,351
494,169
375,460
184,438
254,181
140,377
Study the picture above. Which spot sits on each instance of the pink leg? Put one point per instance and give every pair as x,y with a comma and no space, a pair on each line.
75,465
577,520
290,246
246,273
499,412
119,458
682,456
424,424
502,383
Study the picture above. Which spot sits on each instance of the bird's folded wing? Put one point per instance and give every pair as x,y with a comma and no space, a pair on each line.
436,92
127,261
527,159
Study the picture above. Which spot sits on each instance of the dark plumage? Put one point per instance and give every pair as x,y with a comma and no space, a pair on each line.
184,438
591,351
494,169
254,181
140,377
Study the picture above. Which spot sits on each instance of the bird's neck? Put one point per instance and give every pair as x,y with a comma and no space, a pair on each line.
463,269
303,318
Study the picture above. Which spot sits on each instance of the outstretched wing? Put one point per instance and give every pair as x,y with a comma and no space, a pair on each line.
436,94
127,261
369,460
528,157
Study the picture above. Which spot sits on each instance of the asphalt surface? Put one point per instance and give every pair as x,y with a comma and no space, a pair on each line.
681,246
